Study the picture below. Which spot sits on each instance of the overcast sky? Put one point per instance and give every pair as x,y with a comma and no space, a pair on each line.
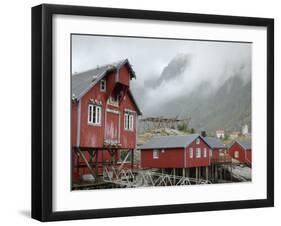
207,61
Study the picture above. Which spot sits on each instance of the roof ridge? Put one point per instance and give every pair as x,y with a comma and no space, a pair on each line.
101,66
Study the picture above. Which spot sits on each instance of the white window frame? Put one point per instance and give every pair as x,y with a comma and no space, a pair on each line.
94,114
210,152
198,152
129,121
103,85
236,154
198,141
155,154
191,153
205,152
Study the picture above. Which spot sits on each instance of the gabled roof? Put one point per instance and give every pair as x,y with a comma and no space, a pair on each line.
84,81
246,144
214,142
170,141
135,103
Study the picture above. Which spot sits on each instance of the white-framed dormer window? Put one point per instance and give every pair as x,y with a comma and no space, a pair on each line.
94,114
236,154
155,154
129,121
191,153
198,141
103,85
198,152
205,152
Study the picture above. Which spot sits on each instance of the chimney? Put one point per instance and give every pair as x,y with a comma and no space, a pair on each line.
203,133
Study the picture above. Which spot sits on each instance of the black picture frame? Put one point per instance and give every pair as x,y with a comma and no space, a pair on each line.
42,111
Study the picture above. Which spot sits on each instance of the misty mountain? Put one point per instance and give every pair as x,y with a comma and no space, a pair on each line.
226,106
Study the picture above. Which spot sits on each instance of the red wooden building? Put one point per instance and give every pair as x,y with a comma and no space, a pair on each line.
175,152
218,150
103,117
242,151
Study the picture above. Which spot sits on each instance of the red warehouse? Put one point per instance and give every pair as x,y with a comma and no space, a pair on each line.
242,151
180,152
218,150
103,117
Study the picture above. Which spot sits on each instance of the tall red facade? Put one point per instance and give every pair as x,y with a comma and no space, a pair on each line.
102,104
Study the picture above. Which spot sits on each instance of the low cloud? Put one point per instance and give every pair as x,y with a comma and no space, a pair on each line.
165,69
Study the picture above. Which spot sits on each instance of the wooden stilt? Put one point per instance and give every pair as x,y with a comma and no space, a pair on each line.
196,173
97,162
207,173
183,172
174,173
87,163
216,173
132,160
187,172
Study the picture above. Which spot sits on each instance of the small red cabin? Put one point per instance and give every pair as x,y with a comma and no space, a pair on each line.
242,151
175,152
103,117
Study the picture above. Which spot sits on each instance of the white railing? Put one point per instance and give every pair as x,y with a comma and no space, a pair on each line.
145,178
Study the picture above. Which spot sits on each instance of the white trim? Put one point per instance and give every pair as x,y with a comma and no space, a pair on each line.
236,154
129,110
155,154
78,124
112,111
129,118
97,114
205,152
196,153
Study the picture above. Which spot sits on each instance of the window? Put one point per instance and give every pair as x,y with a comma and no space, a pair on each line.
191,153
220,152
94,114
198,152
155,154
236,154
210,153
103,85
198,141
205,152
129,121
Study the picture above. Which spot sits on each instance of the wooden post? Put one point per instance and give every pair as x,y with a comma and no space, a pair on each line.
196,173
207,173
87,163
187,172
97,163
183,172
216,173
174,173
132,160
199,172
102,163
